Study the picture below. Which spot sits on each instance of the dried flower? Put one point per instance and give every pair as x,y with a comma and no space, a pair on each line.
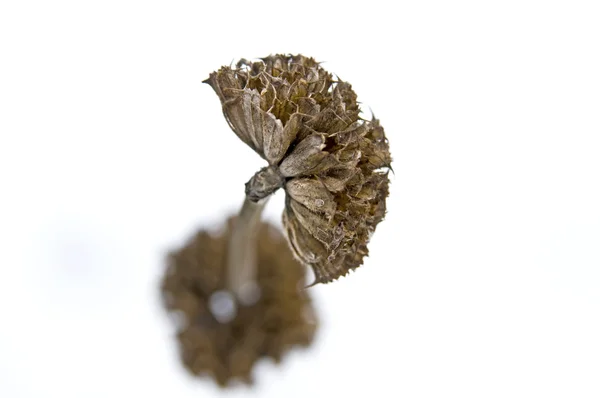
331,163
282,317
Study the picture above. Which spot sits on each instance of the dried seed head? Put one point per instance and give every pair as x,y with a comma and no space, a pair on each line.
331,163
226,346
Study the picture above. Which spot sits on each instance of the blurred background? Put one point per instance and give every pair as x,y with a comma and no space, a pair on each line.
483,281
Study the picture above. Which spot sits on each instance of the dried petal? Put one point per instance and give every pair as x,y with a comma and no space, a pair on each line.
305,156
330,270
305,248
312,194
352,134
277,141
314,223
336,179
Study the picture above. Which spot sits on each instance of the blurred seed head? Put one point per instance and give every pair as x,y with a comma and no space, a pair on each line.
219,337
332,164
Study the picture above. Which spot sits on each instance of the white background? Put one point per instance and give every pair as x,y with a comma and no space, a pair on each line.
483,281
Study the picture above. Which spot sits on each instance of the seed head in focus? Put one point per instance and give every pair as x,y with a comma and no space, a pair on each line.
332,164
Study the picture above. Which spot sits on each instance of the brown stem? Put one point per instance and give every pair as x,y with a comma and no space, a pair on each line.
242,256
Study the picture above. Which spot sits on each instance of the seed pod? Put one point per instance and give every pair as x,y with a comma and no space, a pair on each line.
332,163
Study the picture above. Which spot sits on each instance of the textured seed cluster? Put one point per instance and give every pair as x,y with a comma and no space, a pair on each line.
332,164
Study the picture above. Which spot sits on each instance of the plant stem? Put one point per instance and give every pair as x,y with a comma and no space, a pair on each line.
242,255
